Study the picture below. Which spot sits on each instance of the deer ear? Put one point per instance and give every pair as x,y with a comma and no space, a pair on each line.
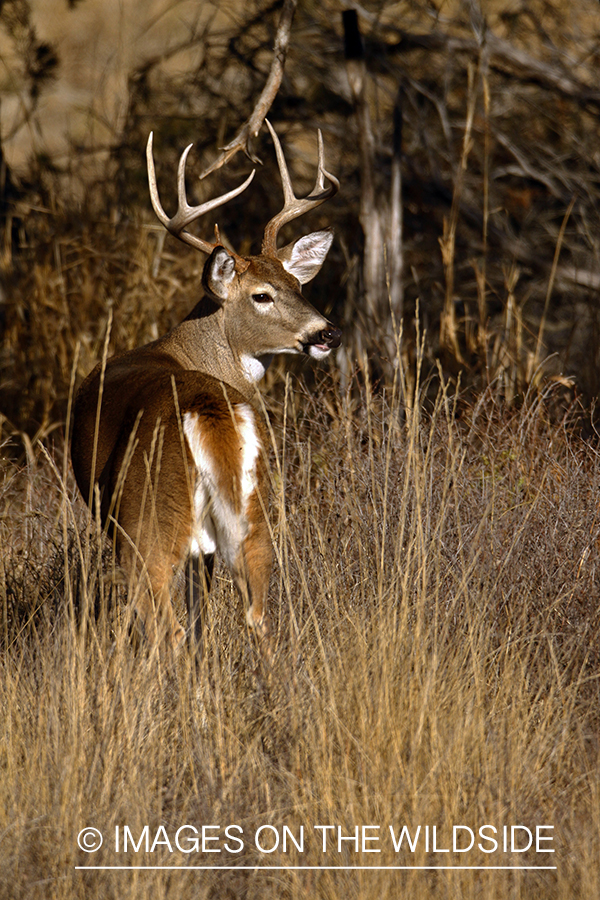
219,272
304,257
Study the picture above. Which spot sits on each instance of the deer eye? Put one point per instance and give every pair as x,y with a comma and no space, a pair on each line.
262,298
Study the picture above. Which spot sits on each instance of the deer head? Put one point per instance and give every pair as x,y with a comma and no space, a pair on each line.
263,310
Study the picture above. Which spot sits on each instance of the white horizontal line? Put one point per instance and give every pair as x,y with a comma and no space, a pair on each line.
329,868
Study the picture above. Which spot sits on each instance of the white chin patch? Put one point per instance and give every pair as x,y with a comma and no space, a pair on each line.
253,368
319,351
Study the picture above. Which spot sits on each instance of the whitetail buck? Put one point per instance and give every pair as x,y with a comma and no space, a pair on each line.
170,432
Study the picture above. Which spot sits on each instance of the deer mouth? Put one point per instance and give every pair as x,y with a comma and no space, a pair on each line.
322,342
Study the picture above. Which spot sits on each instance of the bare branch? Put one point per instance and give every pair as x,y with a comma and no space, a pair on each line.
253,125
504,57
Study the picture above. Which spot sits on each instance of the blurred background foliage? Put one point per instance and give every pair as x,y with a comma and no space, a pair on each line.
488,109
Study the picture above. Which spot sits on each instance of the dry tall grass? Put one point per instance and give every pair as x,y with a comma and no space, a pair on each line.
435,600
435,592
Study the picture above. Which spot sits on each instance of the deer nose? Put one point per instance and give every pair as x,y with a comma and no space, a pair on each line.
331,336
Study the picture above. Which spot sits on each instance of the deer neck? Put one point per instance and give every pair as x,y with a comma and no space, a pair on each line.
205,327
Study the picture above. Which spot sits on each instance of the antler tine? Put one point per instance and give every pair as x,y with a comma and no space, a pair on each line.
294,207
186,214
284,172
322,171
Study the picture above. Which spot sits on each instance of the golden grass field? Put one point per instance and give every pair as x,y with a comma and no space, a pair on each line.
437,540
437,665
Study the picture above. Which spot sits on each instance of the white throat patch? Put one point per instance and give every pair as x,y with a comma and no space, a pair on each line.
254,368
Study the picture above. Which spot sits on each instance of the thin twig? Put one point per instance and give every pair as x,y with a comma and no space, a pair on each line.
559,242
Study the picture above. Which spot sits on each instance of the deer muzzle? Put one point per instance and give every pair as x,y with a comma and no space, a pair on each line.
321,342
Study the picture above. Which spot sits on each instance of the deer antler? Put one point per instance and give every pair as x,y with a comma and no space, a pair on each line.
294,207
186,214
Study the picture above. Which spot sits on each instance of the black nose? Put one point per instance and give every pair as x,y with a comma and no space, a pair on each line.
331,336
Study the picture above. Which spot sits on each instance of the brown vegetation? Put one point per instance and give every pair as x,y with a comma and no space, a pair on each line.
437,664
437,527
